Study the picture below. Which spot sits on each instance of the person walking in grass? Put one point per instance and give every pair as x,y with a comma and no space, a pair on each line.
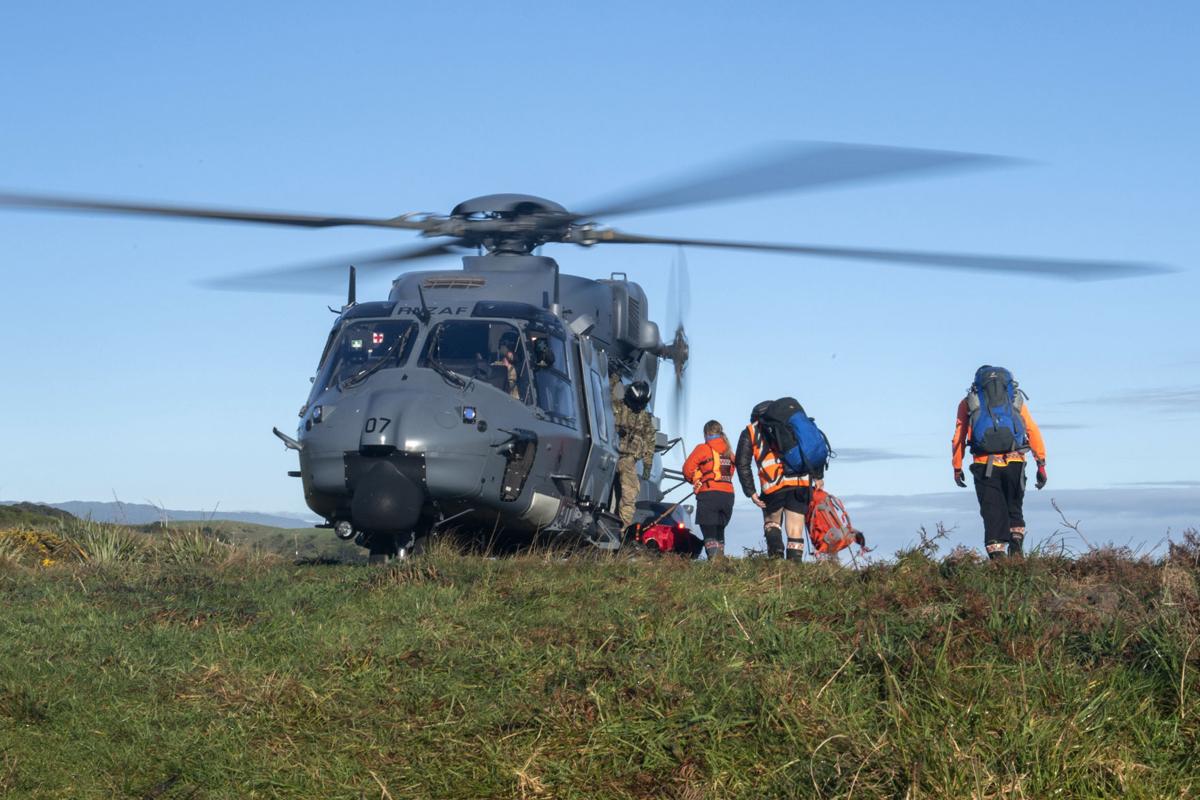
782,498
994,421
710,469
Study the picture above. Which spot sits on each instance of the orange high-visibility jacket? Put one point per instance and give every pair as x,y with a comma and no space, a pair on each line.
710,467
962,432
770,468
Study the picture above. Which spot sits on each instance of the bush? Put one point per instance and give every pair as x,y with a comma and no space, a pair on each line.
20,546
109,544
192,546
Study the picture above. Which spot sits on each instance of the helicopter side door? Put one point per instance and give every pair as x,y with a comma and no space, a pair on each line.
596,480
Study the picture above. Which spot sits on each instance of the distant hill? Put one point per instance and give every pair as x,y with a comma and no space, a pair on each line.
24,515
144,513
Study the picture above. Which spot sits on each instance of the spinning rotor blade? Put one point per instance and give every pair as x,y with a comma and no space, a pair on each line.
684,300
1058,268
679,303
324,276
46,202
792,167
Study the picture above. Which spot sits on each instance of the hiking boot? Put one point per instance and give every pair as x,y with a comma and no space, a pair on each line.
774,543
1015,547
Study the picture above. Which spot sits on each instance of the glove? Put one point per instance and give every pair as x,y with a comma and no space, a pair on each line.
1041,475
960,478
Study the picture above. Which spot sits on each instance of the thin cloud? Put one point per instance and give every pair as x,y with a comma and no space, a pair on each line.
872,454
1168,399
1164,483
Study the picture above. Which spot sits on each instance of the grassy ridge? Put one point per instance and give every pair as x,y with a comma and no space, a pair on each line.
30,529
454,676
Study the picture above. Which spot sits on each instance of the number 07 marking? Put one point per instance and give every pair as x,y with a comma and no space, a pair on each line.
376,422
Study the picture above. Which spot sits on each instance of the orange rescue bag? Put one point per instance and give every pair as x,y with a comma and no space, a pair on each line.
829,527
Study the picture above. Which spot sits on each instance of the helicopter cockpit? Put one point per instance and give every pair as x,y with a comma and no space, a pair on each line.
518,349
361,347
525,359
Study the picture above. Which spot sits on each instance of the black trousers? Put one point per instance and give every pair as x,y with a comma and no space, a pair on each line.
713,511
1001,499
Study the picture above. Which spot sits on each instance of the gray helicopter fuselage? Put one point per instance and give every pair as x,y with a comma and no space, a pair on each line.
433,433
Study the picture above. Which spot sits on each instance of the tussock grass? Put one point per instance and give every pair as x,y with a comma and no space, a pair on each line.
212,675
107,544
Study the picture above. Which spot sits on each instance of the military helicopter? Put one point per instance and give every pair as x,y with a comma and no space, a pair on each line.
481,399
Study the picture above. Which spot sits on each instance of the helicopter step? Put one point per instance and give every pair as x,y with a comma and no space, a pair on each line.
606,531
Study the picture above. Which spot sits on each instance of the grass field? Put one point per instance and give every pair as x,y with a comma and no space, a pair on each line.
223,673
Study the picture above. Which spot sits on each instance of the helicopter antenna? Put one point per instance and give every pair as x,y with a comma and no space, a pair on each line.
351,293
425,314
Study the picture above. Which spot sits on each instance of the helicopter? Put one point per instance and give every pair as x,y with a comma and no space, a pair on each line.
480,399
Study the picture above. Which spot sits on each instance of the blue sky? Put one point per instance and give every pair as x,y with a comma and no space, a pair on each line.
123,377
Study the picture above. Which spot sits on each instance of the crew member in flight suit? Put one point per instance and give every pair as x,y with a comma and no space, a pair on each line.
505,359
635,432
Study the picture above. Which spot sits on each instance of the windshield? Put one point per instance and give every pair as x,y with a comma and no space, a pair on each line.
530,368
553,391
489,352
362,347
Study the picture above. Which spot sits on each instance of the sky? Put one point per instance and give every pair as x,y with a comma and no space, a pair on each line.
124,378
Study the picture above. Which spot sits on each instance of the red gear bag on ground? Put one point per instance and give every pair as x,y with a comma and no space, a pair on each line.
829,527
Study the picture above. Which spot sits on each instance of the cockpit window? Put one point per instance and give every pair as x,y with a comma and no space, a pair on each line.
364,346
488,352
551,376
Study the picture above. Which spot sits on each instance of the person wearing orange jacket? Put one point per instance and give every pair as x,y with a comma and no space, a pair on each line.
710,469
783,498
994,420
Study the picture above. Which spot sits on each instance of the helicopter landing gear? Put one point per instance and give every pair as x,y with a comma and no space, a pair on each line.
387,547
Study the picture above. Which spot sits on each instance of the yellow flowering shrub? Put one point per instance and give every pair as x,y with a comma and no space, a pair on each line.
43,548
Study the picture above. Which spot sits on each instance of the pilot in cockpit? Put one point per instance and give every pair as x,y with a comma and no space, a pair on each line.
506,362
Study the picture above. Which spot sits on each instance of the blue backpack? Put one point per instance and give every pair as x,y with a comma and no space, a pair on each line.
994,404
802,447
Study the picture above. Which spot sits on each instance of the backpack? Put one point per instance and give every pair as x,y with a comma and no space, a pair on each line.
802,447
829,527
994,404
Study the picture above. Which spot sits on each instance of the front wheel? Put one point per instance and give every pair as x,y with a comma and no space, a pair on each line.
384,548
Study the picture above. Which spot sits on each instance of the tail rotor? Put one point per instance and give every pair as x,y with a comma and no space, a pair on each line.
678,305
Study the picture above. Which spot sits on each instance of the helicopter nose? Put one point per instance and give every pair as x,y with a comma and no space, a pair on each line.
386,501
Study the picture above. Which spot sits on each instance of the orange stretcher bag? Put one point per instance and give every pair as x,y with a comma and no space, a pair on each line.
829,528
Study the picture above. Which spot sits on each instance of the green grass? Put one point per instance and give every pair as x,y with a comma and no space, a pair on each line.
462,677
301,543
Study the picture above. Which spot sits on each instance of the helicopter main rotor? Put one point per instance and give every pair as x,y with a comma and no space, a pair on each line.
515,224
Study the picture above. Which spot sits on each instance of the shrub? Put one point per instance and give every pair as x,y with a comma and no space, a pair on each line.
41,548
191,547
110,545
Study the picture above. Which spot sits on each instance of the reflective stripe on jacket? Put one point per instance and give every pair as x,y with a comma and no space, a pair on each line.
770,468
